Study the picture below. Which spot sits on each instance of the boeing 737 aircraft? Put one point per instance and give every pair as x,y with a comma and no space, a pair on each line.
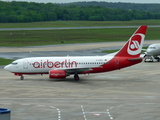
152,52
61,67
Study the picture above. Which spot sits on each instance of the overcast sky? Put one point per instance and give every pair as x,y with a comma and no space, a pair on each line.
67,1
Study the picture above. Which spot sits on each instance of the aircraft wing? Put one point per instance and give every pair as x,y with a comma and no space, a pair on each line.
78,70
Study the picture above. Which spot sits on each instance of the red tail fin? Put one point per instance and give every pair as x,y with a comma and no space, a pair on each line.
133,46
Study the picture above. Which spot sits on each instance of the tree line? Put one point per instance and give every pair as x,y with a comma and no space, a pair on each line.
13,12
151,7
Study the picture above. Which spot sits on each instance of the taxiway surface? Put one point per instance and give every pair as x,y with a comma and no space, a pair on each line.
132,93
81,49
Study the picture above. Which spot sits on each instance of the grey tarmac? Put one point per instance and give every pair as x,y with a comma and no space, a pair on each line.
59,28
70,47
131,93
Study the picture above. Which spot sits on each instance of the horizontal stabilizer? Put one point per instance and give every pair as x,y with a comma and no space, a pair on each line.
135,59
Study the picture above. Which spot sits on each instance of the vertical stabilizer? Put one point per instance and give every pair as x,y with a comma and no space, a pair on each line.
133,46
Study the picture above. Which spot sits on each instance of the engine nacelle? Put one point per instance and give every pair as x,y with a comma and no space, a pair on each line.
57,74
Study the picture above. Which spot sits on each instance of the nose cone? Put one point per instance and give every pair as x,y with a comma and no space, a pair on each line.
7,67
152,49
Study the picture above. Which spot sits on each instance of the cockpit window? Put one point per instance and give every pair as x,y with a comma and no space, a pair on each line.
152,47
14,63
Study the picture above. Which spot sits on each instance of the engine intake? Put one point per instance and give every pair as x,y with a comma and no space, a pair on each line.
57,74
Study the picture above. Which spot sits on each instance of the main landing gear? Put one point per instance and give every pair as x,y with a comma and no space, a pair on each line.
76,77
22,77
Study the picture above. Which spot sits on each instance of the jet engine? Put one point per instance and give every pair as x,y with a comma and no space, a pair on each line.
57,74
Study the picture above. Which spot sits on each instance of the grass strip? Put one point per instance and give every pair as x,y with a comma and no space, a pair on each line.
51,37
5,61
79,23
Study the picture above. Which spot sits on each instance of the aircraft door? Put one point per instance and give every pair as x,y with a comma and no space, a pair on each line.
25,64
116,63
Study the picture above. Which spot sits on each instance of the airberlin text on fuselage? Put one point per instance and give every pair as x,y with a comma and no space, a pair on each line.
58,64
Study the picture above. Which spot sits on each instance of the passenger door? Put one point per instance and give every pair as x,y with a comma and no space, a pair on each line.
25,64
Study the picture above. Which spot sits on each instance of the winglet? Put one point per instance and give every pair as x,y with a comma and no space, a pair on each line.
133,46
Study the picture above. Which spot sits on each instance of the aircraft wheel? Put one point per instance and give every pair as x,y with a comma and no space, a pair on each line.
151,60
22,78
76,77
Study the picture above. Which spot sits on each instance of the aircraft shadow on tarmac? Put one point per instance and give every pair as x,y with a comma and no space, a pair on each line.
83,80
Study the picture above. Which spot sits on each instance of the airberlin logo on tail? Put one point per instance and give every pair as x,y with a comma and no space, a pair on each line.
135,44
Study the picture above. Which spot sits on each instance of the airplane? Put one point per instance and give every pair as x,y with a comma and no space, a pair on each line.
61,67
152,53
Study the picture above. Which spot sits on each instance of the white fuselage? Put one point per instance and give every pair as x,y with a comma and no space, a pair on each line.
44,64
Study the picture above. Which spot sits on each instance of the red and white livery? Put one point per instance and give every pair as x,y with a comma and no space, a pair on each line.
61,67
